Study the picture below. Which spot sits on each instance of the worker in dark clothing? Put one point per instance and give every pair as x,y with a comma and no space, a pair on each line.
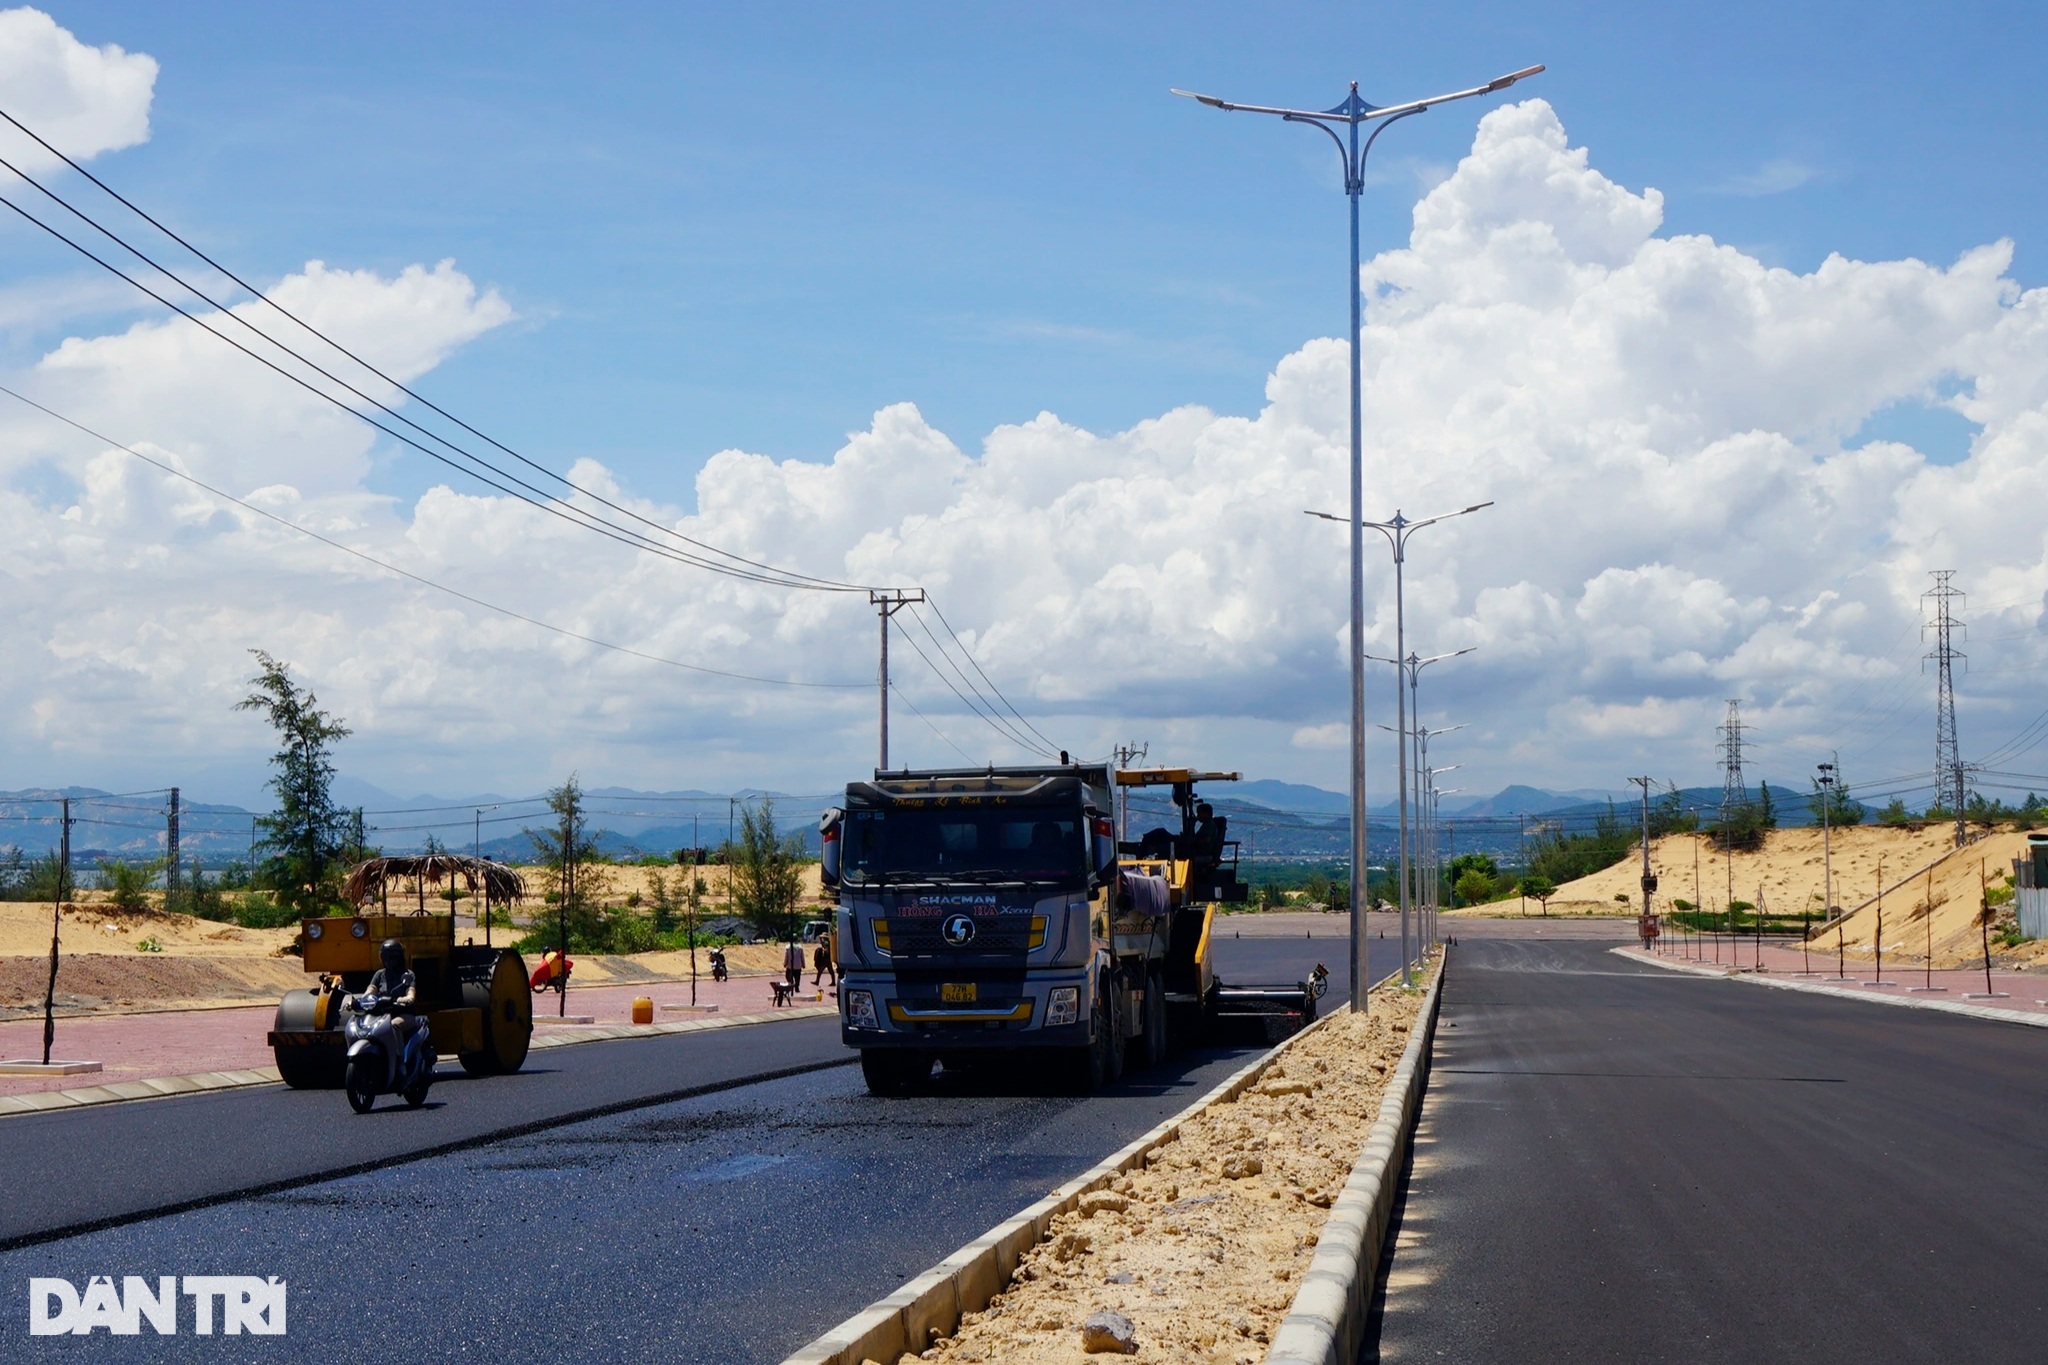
821,962
393,982
1209,827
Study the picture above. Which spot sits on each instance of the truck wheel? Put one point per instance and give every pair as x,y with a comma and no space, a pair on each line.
891,1072
1113,1068
1152,1042
1090,1064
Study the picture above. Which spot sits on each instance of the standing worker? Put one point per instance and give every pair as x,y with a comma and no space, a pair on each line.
821,962
793,965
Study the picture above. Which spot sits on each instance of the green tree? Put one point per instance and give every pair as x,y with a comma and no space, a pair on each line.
1894,813
1473,887
1537,888
1669,815
1767,810
306,834
1836,804
570,883
127,883
766,871
1562,857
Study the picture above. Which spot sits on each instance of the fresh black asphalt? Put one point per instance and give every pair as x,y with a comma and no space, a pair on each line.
729,1226
1619,1163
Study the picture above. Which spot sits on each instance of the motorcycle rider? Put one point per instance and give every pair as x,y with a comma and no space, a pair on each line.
393,982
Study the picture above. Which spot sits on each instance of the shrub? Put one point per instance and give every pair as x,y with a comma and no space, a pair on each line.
127,883
259,910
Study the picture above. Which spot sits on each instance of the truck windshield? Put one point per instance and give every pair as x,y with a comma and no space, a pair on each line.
964,843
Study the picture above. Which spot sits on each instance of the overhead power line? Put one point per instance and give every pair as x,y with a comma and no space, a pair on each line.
976,663
367,558
753,570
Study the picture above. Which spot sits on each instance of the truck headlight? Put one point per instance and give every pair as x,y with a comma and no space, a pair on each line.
860,1010
1063,1005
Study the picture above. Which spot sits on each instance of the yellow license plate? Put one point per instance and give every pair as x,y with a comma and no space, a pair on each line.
957,994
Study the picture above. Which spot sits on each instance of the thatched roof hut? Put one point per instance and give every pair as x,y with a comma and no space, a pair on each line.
372,879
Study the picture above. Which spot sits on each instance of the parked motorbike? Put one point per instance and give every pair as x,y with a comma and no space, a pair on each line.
378,1064
718,968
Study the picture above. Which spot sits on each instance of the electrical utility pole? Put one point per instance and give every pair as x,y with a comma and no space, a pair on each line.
171,851
887,602
1349,116
1827,848
1948,757
1649,877
56,927
1126,756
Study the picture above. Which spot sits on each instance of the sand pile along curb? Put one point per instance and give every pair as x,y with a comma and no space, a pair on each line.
931,1307
1327,1320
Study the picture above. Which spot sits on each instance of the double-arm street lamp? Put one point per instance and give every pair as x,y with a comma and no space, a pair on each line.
1413,755
1397,529
1349,115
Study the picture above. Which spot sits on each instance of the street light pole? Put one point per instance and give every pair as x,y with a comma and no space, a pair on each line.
1409,702
1397,529
1350,114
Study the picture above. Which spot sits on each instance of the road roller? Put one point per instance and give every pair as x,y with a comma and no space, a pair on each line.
474,996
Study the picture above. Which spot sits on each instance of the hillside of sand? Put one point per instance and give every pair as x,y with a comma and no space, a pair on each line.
1875,867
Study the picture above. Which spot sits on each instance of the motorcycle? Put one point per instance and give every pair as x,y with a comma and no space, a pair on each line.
718,969
378,1064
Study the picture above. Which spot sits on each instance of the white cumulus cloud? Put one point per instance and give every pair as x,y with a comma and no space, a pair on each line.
1667,427
83,100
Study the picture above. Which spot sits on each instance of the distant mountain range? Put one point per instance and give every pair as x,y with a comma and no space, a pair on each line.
1270,819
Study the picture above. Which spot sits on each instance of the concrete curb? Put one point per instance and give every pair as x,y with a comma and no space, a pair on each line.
1911,1002
158,1087
965,1281
1326,1322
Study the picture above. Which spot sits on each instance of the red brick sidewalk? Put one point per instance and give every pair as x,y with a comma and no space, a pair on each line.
2022,991
133,1047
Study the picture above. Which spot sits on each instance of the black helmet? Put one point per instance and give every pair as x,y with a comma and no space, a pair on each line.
393,953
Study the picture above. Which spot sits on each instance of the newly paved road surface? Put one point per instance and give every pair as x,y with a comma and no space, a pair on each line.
1619,1163
728,1227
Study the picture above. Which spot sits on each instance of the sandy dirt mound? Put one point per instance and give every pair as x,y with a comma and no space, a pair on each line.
1788,868
95,983
1203,1247
91,928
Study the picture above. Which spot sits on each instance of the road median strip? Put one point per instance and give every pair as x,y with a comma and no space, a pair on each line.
971,1305
160,1087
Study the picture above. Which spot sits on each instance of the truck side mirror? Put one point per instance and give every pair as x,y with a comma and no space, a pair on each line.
828,846
1102,845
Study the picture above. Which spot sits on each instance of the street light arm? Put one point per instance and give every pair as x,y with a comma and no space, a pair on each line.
1417,106
1389,112
1382,527
1420,664
1446,516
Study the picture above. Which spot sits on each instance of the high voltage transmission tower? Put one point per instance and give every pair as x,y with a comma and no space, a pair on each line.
1948,756
1733,791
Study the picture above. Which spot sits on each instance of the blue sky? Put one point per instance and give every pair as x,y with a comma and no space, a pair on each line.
752,226
1723,466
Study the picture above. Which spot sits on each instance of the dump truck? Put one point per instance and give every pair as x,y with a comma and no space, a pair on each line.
474,996
991,912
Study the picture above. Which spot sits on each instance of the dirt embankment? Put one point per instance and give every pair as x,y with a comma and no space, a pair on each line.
1788,874
1203,1246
